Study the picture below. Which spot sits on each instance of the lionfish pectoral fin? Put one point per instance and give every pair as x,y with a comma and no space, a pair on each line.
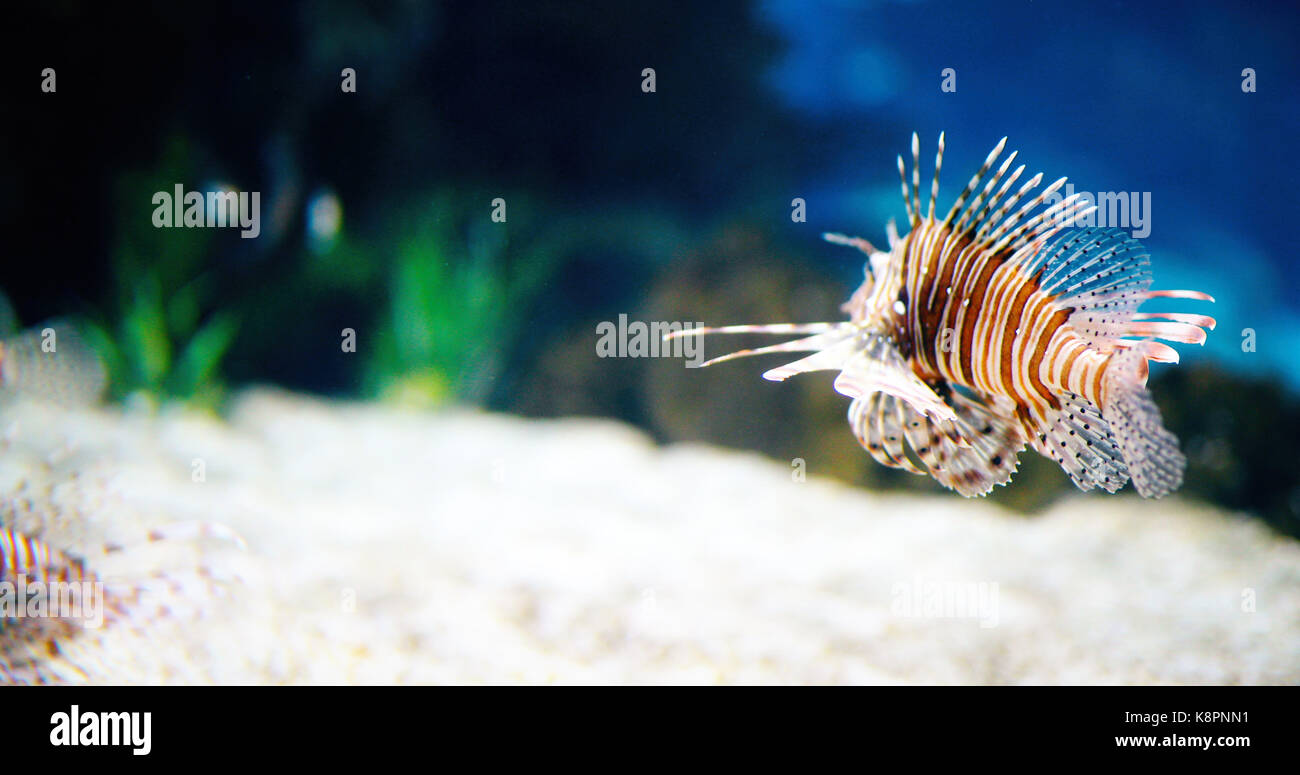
840,351
867,362
974,454
877,367
824,335
877,422
1149,450
755,328
995,438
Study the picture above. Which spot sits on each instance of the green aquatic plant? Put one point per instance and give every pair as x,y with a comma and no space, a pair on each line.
458,292
160,336
161,345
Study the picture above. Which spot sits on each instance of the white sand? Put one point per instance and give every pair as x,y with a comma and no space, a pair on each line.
386,546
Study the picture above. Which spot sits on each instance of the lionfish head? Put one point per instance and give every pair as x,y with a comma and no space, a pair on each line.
865,303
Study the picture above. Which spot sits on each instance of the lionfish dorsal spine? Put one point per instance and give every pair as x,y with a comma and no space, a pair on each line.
975,181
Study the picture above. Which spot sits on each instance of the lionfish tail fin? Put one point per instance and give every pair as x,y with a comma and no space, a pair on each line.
1150,451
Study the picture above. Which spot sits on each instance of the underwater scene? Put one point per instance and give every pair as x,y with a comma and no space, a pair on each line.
770,342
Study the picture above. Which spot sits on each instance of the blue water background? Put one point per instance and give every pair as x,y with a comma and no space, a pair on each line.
1118,96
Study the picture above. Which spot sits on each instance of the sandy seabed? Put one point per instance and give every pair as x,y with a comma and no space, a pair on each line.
386,546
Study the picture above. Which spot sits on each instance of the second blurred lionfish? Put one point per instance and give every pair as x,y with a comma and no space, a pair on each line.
49,362
49,594
996,327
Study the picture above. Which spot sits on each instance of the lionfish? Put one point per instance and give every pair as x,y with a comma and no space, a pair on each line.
996,327
75,596
51,363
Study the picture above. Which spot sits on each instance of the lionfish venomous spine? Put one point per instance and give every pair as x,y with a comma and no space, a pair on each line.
996,327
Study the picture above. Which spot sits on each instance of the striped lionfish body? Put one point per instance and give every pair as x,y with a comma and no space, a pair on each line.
25,561
997,326
22,555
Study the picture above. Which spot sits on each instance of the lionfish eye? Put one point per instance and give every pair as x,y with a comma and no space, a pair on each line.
900,304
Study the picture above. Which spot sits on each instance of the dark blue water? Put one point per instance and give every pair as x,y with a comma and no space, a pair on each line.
1142,97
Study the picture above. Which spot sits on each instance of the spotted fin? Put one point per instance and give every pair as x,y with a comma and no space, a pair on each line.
934,443
981,450
972,454
1080,440
1102,276
877,423
1150,450
996,440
